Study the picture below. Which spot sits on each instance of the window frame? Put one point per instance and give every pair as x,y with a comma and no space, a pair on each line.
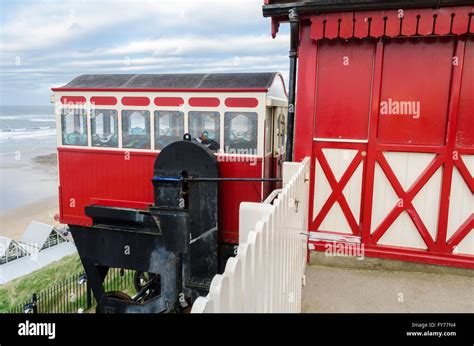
186,110
150,124
218,127
118,127
175,113
247,114
62,127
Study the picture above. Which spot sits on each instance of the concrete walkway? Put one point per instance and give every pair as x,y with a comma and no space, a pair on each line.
355,287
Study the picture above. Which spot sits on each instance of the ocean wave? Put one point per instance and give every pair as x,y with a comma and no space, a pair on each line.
51,119
32,117
26,129
41,132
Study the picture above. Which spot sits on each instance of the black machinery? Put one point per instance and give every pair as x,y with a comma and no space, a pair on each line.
173,247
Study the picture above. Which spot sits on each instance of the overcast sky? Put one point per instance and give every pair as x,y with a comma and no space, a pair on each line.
46,43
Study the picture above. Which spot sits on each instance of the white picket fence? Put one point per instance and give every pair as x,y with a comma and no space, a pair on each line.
266,275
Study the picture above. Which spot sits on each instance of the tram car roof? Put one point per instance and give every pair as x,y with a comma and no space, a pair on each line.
261,81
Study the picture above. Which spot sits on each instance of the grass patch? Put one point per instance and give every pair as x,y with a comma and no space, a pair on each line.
63,294
20,290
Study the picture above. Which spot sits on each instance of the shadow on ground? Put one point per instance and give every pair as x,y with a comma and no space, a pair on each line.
385,286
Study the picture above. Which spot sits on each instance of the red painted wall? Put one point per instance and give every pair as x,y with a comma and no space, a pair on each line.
343,102
465,132
123,179
344,79
416,70
305,95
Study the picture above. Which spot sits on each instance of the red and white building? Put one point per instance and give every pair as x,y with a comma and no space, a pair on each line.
385,110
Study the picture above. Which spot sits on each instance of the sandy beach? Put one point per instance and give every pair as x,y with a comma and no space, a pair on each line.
14,222
39,173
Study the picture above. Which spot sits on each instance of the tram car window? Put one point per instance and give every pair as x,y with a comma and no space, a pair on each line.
268,132
104,128
280,131
240,132
136,129
74,126
205,128
169,128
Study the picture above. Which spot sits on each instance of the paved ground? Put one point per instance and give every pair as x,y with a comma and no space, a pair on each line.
334,288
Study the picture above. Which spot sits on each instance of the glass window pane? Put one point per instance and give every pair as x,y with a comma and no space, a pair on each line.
268,132
240,132
74,127
205,128
104,126
136,129
282,129
169,128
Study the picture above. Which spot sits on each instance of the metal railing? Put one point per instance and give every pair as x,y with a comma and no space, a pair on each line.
267,273
73,295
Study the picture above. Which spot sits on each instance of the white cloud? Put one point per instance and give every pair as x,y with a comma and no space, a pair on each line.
56,40
238,44
44,24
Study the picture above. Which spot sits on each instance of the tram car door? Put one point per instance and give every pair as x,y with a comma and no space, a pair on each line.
279,142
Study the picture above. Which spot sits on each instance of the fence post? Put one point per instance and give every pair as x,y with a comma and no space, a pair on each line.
88,295
34,303
266,275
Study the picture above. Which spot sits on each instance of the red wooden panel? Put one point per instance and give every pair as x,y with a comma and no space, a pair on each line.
317,27
389,23
169,101
406,254
471,25
460,21
135,101
465,132
233,193
104,100
268,172
377,24
361,29
443,21
73,99
305,96
416,78
88,175
346,25
275,27
410,21
332,25
392,23
245,102
425,23
204,102
123,179
344,77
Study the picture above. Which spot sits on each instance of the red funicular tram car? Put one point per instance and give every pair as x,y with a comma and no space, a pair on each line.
112,128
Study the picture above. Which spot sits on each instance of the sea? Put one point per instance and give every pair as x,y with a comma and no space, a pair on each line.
26,132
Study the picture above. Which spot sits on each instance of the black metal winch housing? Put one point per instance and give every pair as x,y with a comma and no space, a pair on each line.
175,241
